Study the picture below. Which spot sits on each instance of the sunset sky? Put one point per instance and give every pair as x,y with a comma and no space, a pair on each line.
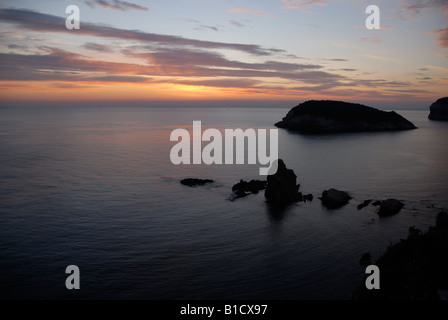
267,51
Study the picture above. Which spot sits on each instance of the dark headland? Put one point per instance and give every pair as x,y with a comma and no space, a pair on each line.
416,268
336,116
439,110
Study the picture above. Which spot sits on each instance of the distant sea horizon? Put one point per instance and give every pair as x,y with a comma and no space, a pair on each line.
94,187
382,105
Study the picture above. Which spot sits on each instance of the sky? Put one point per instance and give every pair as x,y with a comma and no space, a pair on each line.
254,52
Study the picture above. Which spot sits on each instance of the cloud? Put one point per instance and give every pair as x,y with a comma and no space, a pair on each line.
380,58
336,60
302,5
63,69
60,65
64,85
199,25
237,24
371,40
220,83
40,22
17,46
115,5
413,8
442,37
155,58
438,68
97,47
181,57
254,12
382,27
207,27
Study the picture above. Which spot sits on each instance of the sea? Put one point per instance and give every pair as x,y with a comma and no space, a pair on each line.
95,187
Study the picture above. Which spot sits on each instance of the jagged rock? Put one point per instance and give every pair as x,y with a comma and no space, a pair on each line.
254,186
244,188
334,199
192,182
376,203
364,204
390,207
439,110
337,116
281,189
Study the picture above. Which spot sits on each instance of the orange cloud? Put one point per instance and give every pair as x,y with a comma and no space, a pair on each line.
382,27
302,5
250,11
442,37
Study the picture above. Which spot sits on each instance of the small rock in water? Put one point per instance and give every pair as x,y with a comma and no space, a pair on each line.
334,199
390,207
192,182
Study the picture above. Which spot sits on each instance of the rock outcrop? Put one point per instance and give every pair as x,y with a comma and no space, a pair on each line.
281,189
390,207
439,110
337,116
333,199
244,188
192,182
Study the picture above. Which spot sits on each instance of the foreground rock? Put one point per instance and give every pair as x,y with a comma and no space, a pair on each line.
281,189
191,182
390,207
244,188
334,199
366,259
337,116
413,269
439,110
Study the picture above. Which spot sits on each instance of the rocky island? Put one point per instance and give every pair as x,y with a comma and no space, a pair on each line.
337,116
439,110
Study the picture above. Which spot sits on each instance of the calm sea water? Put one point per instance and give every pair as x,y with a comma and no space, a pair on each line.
95,187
